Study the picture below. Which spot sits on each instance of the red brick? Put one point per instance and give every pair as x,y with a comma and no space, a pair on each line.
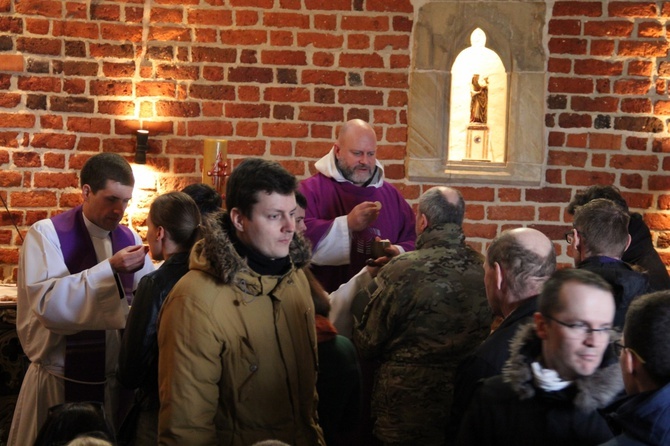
17,120
389,5
505,213
640,68
166,15
312,150
89,125
636,105
320,40
243,37
180,109
281,94
281,148
632,9
250,74
397,99
121,33
634,143
111,13
605,141
55,180
567,46
386,80
549,195
282,38
650,29
549,213
52,122
44,8
657,221
632,87
321,114
508,195
246,18
246,93
81,29
574,120
659,182
269,57
586,178
349,60
110,88
598,160
556,65
286,20
53,141
577,8
10,179
328,5
640,48
570,85
608,28
33,199
323,77
394,42
363,97
595,104
365,23
248,111
634,162
394,171
265,4
285,130
598,67
210,128
631,181
54,160
603,48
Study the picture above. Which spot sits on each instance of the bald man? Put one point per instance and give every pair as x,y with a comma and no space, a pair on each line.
518,262
427,312
349,205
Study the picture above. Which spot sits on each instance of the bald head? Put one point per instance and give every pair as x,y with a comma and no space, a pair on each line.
356,151
442,205
527,259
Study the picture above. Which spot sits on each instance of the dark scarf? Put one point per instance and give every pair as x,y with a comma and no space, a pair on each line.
258,262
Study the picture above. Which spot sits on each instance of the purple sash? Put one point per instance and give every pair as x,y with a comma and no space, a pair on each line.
85,351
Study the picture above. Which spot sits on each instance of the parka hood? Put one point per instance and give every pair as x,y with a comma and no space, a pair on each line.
593,392
215,253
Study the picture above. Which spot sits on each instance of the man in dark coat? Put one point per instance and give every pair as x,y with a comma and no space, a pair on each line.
599,238
643,416
641,252
559,373
517,264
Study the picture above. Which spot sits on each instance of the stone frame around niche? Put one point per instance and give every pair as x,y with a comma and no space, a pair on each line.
515,32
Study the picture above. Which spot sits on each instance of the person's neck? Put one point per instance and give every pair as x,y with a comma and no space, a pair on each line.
259,263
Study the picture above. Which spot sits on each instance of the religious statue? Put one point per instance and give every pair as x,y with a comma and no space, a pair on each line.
479,98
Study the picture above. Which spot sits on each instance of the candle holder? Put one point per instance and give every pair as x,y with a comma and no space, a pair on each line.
215,165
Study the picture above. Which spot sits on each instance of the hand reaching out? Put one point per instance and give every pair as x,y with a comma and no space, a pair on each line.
129,259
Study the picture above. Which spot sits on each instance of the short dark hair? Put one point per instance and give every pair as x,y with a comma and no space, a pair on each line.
438,210
106,166
254,175
179,215
301,200
646,332
597,191
549,302
205,196
524,269
604,227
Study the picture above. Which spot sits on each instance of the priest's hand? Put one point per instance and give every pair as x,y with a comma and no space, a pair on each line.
129,259
362,215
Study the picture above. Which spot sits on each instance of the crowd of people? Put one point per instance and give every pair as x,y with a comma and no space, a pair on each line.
274,318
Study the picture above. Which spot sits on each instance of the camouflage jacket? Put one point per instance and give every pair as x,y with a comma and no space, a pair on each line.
428,311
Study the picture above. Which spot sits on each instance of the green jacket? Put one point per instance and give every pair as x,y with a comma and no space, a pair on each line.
428,312
237,351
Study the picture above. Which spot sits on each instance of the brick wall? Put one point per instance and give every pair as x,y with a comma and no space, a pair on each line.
276,77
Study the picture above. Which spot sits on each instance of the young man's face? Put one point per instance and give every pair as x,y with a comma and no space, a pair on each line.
271,226
566,350
105,207
300,227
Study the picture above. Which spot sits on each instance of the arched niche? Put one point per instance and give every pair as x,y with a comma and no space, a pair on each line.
478,105
514,33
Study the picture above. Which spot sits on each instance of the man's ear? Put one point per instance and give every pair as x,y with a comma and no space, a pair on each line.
628,243
237,218
540,325
160,233
86,191
628,362
499,275
423,222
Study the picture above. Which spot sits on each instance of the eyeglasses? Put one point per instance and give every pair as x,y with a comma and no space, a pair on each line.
580,330
619,348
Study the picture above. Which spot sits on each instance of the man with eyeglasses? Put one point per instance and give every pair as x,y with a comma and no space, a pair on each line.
559,374
643,417
598,239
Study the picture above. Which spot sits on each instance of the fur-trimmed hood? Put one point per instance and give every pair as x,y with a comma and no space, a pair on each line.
216,255
593,392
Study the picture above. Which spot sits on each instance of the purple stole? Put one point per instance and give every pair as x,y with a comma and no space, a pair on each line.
85,351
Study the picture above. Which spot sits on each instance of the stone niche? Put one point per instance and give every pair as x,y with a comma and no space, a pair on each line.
438,129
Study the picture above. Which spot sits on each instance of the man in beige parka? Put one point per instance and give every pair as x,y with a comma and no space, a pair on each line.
237,343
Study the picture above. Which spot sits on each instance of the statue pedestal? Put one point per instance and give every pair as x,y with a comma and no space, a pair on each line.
477,143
